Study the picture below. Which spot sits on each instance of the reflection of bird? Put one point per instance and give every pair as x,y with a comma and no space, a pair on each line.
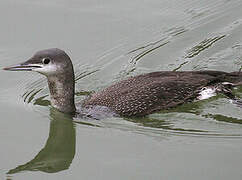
135,96
59,149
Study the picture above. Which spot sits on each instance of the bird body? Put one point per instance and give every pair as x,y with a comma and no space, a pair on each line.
136,96
151,92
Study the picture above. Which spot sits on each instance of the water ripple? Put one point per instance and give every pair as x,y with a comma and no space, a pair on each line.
206,43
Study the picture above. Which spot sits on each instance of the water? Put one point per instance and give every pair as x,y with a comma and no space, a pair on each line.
109,41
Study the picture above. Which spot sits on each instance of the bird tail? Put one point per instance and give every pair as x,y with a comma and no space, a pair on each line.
235,78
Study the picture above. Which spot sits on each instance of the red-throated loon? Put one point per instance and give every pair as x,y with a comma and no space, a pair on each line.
136,96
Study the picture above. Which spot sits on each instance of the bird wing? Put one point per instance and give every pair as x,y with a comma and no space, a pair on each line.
158,95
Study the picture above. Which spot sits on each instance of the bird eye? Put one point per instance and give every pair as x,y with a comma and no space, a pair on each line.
46,61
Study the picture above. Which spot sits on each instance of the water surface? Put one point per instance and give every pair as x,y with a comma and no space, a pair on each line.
109,41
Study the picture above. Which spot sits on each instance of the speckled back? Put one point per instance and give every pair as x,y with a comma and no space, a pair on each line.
144,94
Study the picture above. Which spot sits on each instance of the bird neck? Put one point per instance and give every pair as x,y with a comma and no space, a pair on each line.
62,90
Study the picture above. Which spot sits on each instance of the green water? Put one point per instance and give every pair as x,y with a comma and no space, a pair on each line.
109,41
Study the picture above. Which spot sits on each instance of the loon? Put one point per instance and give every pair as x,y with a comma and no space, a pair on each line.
136,96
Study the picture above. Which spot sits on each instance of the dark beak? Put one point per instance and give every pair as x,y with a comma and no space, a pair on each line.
22,67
